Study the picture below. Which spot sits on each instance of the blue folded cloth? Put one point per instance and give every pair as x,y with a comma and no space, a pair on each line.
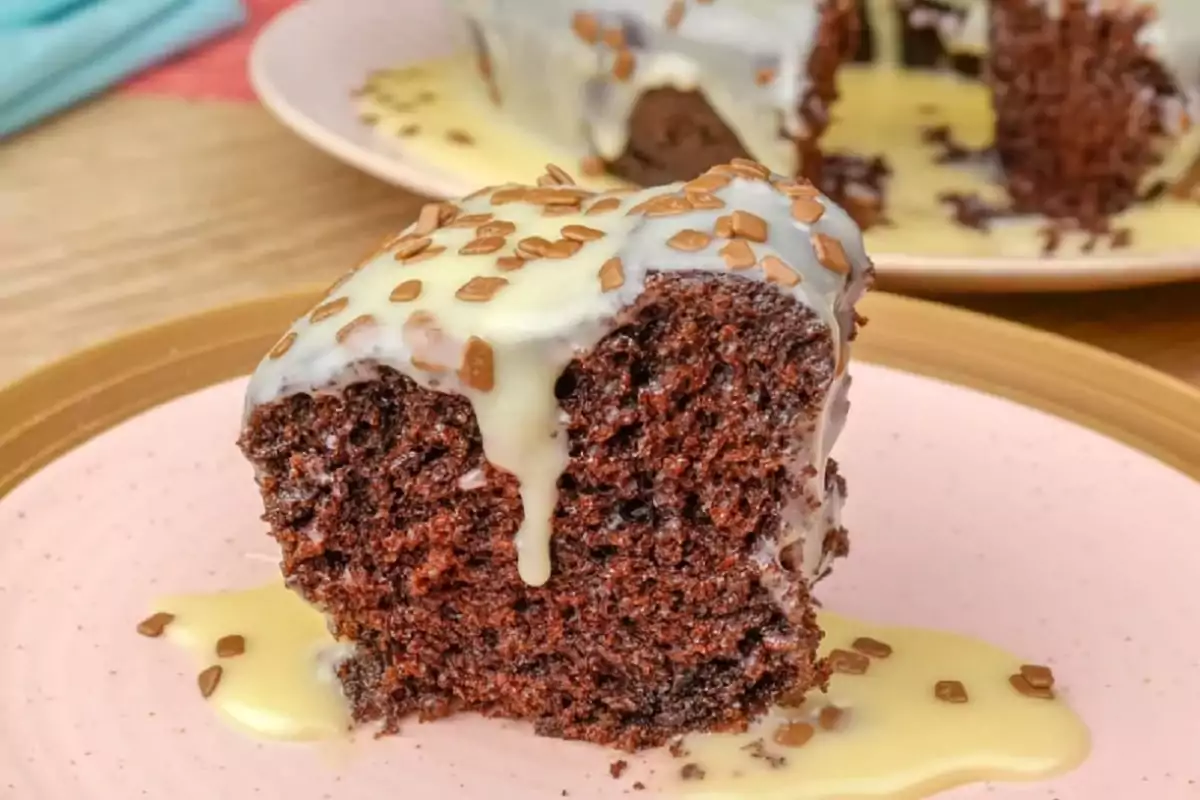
57,52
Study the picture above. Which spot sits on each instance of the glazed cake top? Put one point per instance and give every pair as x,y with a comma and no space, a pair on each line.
750,57
493,295
749,24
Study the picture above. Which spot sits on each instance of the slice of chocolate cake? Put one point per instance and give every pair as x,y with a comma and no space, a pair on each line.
660,90
1090,99
563,457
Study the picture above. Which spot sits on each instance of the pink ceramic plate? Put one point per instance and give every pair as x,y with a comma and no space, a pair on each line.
969,512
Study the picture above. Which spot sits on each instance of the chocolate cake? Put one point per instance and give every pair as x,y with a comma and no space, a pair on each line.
1091,99
563,456
1088,100
660,91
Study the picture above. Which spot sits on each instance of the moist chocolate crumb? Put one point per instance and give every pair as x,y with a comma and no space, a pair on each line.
1079,106
949,150
642,412
950,691
231,646
676,749
154,625
691,772
972,211
859,185
676,135
617,768
872,647
758,749
638,786
1054,234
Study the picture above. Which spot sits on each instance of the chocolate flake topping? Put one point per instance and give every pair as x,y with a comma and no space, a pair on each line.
231,646
480,289
675,14
426,254
209,680
154,625
689,240
738,255
406,291
848,662
793,734
778,271
807,210
477,369
749,226
482,245
509,263
412,247
500,227
1022,685
1038,676
581,233
830,718
950,691
872,647
327,310
831,254
603,205
283,345
612,275
354,325
586,27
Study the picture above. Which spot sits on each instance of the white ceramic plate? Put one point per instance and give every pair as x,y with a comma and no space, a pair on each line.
307,63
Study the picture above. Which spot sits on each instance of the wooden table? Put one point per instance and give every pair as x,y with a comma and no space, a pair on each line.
131,210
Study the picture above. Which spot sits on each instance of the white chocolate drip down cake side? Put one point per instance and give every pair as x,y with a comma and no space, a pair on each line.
563,456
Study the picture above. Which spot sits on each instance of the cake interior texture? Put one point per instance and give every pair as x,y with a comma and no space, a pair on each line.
671,607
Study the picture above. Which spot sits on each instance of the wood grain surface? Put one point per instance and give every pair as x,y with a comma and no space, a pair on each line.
132,210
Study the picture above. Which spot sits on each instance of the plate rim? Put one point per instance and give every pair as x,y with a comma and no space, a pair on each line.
896,271
62,405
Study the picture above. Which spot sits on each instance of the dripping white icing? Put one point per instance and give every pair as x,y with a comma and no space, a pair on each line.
551,79
553,309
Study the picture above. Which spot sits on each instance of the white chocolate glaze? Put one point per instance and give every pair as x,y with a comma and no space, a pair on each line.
547,75
875,115
893,738
505,352
284,686
553,80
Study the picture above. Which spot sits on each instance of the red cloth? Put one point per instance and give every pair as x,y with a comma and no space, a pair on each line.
216,70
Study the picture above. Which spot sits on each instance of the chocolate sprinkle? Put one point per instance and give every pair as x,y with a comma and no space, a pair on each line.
231,646
154,625
872,647
950,691
847,662
209,680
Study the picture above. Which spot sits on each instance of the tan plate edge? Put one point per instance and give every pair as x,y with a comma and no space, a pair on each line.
62,405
